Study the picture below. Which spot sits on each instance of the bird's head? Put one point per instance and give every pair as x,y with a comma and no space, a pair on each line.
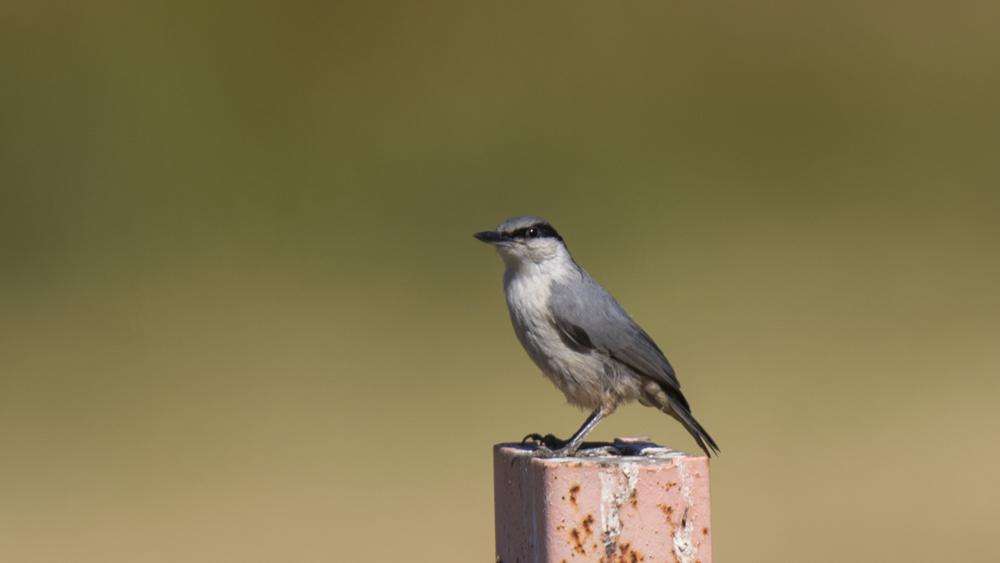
525,240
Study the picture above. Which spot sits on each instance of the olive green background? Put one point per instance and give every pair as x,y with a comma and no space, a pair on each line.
243,318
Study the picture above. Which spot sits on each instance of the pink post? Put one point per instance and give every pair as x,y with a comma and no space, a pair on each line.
650,504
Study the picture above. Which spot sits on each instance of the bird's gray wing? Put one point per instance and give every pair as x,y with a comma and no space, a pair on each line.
589,318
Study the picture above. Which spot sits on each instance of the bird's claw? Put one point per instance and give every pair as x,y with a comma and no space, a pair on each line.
549,441
549,446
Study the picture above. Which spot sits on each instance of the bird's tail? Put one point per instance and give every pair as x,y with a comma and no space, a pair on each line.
680,411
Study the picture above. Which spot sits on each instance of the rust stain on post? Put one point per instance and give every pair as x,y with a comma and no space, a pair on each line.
651,504
572,493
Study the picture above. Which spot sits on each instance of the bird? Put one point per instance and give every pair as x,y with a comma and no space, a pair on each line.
580,337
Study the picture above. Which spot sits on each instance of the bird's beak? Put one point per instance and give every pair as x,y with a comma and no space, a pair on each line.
491,237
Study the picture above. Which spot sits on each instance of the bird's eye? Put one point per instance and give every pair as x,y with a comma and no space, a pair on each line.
532,232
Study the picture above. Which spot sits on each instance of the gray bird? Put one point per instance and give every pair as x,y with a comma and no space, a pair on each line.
579,335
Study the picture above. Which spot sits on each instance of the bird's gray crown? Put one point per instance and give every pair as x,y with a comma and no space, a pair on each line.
527,226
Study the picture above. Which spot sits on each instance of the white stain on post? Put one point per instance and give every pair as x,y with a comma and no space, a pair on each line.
684,549
611,501
617,487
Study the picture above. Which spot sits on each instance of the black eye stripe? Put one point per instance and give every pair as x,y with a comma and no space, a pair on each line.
542,230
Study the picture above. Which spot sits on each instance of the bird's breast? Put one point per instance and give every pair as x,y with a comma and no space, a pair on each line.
577,373
527,301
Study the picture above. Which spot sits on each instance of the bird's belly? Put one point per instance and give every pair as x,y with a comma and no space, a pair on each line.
583,377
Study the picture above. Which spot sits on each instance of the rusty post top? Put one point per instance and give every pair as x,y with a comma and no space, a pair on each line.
632,450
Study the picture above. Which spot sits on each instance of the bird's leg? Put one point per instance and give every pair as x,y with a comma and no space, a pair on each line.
551,442
550,446
576,441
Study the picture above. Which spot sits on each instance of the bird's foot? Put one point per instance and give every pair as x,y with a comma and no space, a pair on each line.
549,441
549,446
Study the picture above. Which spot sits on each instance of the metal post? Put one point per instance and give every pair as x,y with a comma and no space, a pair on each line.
650,504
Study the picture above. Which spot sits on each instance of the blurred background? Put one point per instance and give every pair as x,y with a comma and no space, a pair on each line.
243,318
